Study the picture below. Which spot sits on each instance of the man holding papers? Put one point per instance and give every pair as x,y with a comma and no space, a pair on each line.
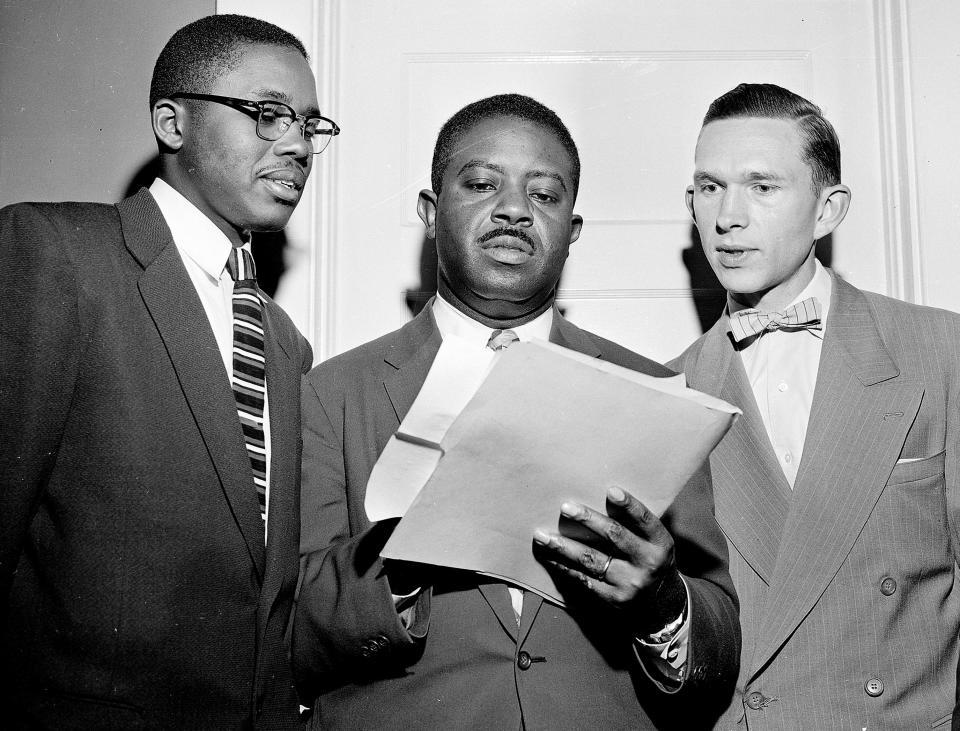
838,489
648,636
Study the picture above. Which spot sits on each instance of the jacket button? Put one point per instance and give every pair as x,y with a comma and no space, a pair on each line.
874,687
755,701
888,586
373,645
523,660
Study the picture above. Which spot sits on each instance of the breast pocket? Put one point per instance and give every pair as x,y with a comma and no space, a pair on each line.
918,470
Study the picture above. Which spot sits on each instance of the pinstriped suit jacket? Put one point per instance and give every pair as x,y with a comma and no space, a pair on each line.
850,605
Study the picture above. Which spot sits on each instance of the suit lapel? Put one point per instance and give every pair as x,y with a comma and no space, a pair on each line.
176,310
283,392
410,359
861,413
752,495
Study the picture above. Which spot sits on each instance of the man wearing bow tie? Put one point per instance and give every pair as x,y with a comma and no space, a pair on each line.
838,489
649,636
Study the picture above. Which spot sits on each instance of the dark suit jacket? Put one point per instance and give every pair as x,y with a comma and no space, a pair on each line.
351,649
135,587
848,588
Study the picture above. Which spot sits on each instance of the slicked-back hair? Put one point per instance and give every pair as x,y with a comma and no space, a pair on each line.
199,53
502,105
821,148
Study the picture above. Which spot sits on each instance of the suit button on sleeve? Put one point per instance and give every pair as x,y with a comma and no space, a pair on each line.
373,646
524,661
888,586
874,687
755,700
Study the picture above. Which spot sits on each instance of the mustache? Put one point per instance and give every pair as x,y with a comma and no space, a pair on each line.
507,231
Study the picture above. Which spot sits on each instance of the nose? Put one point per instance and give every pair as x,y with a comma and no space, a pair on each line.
512,206
732,213
291,143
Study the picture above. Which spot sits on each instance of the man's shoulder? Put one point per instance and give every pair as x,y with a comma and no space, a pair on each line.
892,312
369,358
70,217
689,355
622,356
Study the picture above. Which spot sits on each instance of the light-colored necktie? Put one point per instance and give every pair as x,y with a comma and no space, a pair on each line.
805,315
501,340
249,378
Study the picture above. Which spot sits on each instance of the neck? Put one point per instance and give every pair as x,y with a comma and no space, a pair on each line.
496,314
174,177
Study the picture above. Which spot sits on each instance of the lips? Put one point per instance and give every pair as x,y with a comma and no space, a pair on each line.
507,238
732,255
285,183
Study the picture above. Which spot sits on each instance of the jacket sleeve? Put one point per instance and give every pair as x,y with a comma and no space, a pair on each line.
714,651
40,347
346,626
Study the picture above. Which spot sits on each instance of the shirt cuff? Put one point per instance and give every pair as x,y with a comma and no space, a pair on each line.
665,663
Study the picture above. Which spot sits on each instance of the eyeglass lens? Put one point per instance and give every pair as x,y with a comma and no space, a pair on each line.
275,120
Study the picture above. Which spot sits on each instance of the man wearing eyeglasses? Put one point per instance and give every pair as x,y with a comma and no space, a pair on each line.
149,472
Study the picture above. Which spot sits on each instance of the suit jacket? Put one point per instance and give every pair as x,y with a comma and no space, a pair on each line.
850,606
135,587
465,663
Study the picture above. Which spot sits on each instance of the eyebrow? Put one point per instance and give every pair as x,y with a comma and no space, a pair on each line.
282,96
499,169
752,176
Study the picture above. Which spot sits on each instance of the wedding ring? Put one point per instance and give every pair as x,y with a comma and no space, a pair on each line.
603,571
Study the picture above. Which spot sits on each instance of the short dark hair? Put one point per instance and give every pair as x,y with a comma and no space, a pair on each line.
502,105
821,146
199,53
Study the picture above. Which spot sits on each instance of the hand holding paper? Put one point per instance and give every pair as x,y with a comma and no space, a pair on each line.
633,567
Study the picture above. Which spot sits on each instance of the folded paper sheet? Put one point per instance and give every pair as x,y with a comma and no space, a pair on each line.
546,425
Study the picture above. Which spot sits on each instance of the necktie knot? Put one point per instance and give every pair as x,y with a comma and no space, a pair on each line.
240,265
501,339
805,315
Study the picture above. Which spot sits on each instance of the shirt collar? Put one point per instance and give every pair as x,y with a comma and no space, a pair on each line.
820,286
452,322
195,235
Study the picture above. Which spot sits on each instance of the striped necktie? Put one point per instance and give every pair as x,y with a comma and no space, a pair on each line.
805,315
249,380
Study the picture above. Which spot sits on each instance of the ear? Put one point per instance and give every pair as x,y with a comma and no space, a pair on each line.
576,225
688,197
427,210
833,205
168,123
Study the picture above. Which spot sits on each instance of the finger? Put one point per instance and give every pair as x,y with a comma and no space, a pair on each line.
572,554
619,538
637,518
597,587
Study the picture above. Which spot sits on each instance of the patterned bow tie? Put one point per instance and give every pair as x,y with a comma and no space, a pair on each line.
805,315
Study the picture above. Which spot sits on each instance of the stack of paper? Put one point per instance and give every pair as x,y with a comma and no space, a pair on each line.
473,477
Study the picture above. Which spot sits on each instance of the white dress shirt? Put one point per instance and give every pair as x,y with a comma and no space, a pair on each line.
782,370
452,322
205,249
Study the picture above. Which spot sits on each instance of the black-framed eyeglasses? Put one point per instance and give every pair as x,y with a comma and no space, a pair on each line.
275,118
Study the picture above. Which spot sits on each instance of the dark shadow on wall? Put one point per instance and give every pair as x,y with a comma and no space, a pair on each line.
709,296
143,176
268,246
418,297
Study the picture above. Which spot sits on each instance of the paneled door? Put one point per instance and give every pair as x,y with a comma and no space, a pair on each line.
632,81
